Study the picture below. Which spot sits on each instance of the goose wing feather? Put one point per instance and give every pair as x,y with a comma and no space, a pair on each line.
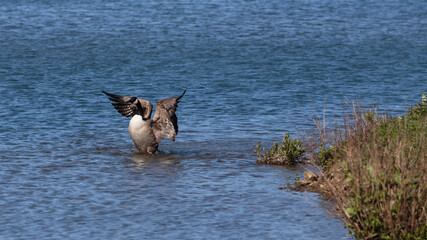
165,122
127,106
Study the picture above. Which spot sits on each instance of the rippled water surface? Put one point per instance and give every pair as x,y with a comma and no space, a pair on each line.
252,71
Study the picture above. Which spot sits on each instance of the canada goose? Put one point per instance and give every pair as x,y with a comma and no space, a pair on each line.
145,132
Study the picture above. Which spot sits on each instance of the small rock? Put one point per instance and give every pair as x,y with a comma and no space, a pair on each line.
309,176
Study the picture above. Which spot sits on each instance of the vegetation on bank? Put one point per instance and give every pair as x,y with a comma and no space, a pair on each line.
375,170
288,152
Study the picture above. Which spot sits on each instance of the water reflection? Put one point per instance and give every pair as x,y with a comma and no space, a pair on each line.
140,161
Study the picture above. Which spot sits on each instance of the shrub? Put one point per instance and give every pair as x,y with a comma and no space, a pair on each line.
288,152
387,193
380,185
326,156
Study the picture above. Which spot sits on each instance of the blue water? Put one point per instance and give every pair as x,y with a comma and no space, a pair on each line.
253,71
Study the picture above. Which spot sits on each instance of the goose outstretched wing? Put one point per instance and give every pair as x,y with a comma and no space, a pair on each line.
128,106
165,122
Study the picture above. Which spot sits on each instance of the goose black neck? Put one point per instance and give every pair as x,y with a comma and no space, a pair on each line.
141,110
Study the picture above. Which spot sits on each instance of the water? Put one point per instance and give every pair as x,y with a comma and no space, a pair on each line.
252,72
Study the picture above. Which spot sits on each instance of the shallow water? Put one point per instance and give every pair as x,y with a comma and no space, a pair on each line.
252,71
